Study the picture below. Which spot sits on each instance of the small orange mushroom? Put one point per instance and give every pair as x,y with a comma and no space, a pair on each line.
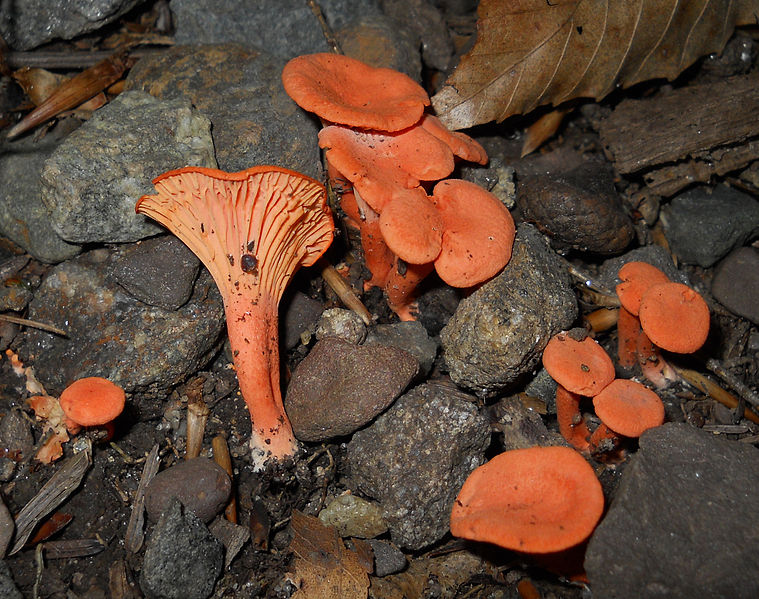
91,401
535,500
580,367
343,90
460,144
252,230
675,317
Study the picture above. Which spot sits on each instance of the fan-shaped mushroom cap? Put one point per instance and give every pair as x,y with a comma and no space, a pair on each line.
636,278
536,500
478,233
92,401
628,408
582,367
412,227
461,144
674,317
343,90
380,163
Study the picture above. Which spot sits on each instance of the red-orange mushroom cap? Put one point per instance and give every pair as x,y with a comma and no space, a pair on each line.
380,163
412,227
536,500
582,367
478,233
343,90
636,278
92,401
628,408
460,144
252,230
674,317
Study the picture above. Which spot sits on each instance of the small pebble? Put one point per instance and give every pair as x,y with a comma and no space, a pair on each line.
200,484
736,283
388,559
409,336
342,323
353,516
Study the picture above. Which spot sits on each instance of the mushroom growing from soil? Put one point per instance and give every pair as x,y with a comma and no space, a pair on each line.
581,367
252,230
91,401
535,500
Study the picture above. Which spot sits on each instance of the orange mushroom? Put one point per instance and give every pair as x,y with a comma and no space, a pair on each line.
343,90
91,401
460,144
252,230
674,317
535,500
580,367
625,408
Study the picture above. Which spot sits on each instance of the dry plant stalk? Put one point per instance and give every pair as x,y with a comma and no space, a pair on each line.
344,292
713,390
197,416
134,534
222,458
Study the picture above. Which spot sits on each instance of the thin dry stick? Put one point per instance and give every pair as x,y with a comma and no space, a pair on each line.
735,383
326,29
197,416
344,291
134,533
34,324
222,458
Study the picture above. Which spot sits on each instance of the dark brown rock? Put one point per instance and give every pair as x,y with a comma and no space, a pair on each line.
339,387
579,209
736,283
200,484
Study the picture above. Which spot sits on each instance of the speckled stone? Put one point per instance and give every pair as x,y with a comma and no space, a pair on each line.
353,516
736,283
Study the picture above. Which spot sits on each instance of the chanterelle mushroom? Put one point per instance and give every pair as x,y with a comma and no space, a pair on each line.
252,230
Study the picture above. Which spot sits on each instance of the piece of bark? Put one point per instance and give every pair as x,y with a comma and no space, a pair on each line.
134,533
641,134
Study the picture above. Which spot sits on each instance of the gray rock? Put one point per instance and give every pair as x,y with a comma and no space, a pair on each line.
414,458
240,90
388,559
684,521
704,225
409,336
7,528
182,559
430,27
339,387
342,323
159,271
92,181
16,435
25,24
353,516
499,332
16,283
520,426
655,255
8,588
201,485
24,219
736,283
111,334
299,315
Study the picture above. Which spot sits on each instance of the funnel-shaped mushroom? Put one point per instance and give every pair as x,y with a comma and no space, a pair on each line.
252,230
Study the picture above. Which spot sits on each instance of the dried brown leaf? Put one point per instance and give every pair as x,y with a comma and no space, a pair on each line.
534,52
324,568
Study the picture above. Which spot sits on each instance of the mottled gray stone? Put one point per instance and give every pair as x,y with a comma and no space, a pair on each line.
736,283
139,347
521,427
7,528
342,323
409,336
499,332
353,516
92,181
429,26
684,521
25,24
414,458
182,558
388,559
8,588
703,225
240,90
24,218
285,28
299,314
655,255
201,485
159,271
339,387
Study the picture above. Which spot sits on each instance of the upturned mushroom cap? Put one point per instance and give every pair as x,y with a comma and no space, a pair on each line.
343,90
461,144
636,278
536,500
628,408
582,367
478,233
412,227
92,401
674,317
378,164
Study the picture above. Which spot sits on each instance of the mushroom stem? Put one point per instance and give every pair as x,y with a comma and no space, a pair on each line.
603,440
569,417
255,349
628,332
652,365
401,285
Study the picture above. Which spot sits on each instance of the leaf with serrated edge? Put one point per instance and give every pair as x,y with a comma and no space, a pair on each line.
534,52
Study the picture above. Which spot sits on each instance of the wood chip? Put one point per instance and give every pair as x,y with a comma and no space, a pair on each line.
134,534
233,537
